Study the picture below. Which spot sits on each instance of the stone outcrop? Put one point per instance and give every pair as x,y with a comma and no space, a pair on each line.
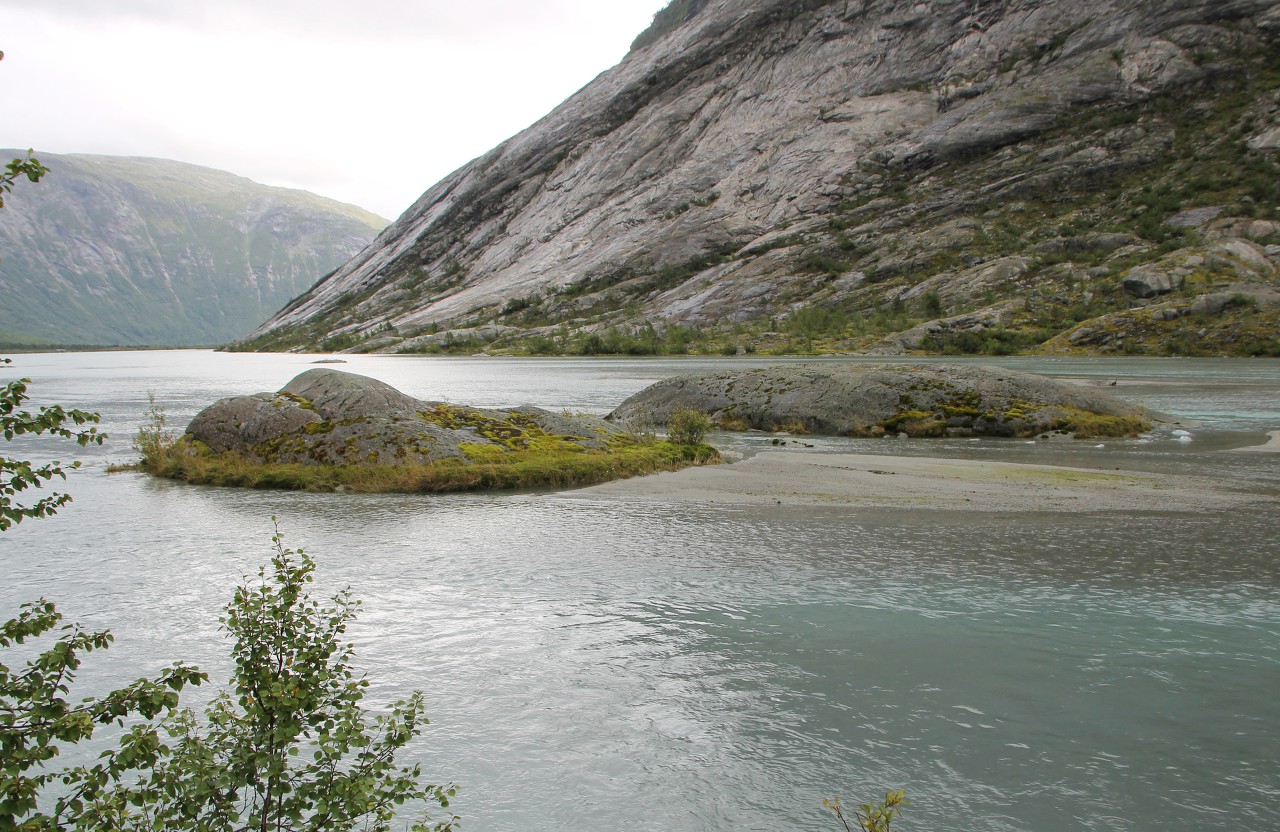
761,157
328,417
874,400
1149,282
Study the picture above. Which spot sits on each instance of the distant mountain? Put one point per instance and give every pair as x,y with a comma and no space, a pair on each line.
129,251
831,175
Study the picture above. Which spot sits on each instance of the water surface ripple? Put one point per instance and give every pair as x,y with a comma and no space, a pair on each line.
590,665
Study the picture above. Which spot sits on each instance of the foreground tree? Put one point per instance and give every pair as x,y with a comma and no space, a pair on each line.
37,715
290,745
241,769
17,475
37,718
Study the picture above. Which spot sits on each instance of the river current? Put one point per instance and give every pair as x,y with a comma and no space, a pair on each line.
591,665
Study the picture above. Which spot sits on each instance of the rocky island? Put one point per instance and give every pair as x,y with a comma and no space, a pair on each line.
888,399
327,430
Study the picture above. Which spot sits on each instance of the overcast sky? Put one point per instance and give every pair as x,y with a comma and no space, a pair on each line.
366,101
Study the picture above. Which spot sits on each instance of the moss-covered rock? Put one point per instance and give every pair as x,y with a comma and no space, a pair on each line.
871,400
328,429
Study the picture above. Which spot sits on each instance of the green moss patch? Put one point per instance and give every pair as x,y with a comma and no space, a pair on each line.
486,467
1085,425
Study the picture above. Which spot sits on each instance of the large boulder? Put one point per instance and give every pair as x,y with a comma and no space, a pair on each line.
1147,282
328,417
337,395
244,421
871,400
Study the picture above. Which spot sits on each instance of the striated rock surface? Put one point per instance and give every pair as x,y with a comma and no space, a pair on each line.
328,417
872,400
110,250
792,174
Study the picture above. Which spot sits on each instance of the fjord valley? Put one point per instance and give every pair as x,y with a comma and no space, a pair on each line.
648,571
118,251
960,177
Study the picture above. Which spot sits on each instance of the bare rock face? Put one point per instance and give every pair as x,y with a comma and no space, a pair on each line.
1149,282
328,417
248,421
767,155
336,395
871,400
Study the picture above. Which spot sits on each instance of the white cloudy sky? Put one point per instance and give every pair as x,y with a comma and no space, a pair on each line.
366,101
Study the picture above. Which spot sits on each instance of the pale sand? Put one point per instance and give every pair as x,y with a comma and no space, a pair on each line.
790,478
1271,446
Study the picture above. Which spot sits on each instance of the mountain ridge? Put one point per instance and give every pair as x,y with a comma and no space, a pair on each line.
138,251
765,161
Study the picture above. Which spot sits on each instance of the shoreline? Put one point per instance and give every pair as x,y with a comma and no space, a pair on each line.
1271,446
926,483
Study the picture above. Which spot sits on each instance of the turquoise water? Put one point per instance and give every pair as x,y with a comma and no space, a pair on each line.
590,665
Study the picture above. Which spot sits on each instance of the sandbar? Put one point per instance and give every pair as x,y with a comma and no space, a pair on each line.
874,481
1271,446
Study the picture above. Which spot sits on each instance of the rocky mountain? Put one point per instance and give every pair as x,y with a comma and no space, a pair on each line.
953,176
127,251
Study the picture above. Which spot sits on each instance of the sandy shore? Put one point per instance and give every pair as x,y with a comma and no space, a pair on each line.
1271,446
786,477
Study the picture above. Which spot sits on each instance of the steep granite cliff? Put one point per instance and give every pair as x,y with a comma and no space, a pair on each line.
124,251
958,175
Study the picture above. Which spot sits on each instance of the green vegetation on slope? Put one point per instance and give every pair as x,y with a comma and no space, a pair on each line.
668,18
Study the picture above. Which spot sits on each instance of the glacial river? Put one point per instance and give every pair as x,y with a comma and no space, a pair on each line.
593,666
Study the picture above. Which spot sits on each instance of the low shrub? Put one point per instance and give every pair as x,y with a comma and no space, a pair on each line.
154,441
688,427
1084,425
871,817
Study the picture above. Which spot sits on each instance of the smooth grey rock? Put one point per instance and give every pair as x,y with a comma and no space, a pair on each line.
1148,282
1259,231
328,417
1270,20
338,395
1083,335
1194,217
1266,140
1213,303
859,399
449,336
1158,65
1084,244
249,420
1250,255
